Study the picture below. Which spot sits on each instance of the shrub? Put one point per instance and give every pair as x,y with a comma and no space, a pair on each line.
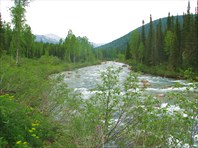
14,121
23,126
49,60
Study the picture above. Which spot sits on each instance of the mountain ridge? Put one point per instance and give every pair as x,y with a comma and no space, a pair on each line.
121,42
47,38
54,39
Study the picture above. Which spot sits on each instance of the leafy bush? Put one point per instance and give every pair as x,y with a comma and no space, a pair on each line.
49,60
31,87
23,126
15,122
118,114
44,112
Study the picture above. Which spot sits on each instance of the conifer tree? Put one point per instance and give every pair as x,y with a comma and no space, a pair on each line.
196,41
189,40
143,41
172,23
160,41
192,42
150,45
178,52
170,43
1,34
143,36
7,38
168,23
188,36
128,53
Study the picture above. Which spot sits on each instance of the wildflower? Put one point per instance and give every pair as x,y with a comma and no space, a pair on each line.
35,124
33,129
25,143
18,142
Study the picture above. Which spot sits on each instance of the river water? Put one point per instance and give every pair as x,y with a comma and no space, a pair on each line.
85,80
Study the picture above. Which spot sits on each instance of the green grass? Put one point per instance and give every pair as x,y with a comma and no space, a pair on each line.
30,86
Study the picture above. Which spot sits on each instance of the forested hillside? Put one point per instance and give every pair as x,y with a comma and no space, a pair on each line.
171,43
121,42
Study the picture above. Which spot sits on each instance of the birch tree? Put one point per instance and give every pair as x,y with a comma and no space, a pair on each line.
18,20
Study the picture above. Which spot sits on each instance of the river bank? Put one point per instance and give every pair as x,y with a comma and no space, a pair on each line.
152,102
164,71
27,103
36,102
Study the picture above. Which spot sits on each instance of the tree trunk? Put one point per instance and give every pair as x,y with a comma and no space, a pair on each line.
74,59
17,56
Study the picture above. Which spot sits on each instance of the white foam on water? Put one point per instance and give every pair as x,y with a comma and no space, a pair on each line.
89,77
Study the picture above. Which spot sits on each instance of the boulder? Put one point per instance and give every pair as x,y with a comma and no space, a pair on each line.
161,95
145,83
124,65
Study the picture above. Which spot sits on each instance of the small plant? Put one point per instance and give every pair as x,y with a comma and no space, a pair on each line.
22,126
13,120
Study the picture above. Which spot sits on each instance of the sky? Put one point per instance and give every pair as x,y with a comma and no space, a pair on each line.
101,21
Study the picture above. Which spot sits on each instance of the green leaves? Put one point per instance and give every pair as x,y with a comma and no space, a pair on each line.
169,42
119,113
18,19
114,103
14,120
134,44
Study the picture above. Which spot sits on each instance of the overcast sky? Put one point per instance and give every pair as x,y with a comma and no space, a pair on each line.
101,21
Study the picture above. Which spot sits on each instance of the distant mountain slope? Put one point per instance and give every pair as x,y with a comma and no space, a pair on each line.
121,42
96,44
48,38
54,39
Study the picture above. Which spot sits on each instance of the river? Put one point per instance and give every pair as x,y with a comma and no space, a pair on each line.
84,81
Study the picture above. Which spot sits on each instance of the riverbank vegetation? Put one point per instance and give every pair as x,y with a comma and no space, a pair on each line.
123,116
26,101
168,51
41,111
